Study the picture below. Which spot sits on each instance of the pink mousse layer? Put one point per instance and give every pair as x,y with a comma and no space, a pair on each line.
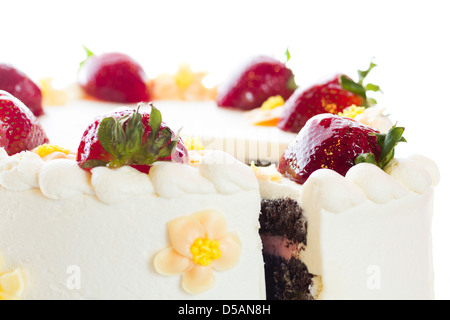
280,246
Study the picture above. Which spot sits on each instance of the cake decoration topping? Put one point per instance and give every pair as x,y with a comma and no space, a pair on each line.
45,149
199,243
204,251
113,76
22,87
268,173
337,143
20,130
331,96
130,137
352,112
11,285
253,83
185,84
193,143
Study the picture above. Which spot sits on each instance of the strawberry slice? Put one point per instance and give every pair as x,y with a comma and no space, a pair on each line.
19,128
257,80
337,143
331,96
114,77
129,137
22,87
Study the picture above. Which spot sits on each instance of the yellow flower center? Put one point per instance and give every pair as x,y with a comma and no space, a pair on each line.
204,251
46,149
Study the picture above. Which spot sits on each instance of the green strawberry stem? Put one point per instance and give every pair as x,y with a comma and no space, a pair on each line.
89,54
387,143
359,88
123,139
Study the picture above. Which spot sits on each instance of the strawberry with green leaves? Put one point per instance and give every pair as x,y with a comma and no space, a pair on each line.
336,143
331,96
20,130
129,137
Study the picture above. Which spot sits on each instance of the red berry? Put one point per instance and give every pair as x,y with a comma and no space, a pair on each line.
113,77
19,128
327,97
253,83
129,137
22,87
328,141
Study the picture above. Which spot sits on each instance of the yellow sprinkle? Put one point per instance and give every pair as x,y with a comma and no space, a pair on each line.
192,143
46,149
352,111
272,102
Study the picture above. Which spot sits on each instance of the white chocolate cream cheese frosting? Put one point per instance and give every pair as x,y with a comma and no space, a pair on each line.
369,233
115,233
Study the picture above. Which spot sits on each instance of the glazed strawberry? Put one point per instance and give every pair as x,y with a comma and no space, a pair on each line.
337,143
257,80
19,128
113,77
331,96
129,137
22,87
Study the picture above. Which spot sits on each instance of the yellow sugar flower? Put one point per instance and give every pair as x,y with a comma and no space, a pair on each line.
200,244
11,285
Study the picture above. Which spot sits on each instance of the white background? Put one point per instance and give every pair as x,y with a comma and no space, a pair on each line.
409,40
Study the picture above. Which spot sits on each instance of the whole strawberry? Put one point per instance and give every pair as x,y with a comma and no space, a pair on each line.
19,128
129,137
337,143
331,96
114,77
253,83
22,87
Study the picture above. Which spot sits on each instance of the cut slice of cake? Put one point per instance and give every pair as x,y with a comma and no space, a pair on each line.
333,229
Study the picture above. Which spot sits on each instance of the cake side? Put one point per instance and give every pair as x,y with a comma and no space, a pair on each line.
370,231
78,235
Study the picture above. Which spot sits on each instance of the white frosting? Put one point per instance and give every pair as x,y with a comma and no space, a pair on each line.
229,175
117,185
369,233
74,233
332,191
411,174
377,185
63,179
170,180
374,117
20,171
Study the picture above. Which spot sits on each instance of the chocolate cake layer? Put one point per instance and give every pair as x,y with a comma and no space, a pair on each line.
283,217
287,279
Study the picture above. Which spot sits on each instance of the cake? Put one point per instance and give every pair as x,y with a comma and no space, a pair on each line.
349,225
